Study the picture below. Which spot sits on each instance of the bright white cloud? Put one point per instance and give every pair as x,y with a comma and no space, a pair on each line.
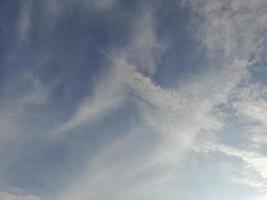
254,170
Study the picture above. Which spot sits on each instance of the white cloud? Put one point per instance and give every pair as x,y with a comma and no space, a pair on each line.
9,196
251,106
144,49
231,33
176,115
54,11
19,94
110,92
252,103
102,4
25,20
254,167
108,95
126,169
231,28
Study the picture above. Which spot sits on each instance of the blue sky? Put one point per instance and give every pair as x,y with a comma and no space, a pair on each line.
128,99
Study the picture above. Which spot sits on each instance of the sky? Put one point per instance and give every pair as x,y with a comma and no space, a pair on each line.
133,99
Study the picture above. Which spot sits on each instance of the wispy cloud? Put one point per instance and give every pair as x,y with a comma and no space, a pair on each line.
176,116
251,106
254,170
169,123
108,95
233,33
24,23
14,104
8,196
139,54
